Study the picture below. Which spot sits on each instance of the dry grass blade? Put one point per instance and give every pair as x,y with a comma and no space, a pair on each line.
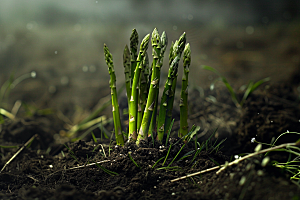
18,152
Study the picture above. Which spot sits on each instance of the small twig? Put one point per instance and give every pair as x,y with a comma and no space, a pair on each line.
91,164
19,151
81,166
236,161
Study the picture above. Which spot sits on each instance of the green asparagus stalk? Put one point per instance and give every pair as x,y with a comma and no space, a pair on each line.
171,102
133,104
156,48
177,50
127,64
184,92
146,74
164,100
134,41
164,43
166,104
143,86
114,97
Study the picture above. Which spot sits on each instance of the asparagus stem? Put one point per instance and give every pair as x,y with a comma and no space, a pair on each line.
126,64
165,113
133,104
171,102
184,92
114,97
156,48
143,84
146,75
164,43
171,58
164,99
176,51
134,41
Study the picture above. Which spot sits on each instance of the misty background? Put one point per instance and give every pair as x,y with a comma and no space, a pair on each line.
62,42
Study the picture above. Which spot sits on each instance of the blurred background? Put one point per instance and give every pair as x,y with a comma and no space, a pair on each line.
60,43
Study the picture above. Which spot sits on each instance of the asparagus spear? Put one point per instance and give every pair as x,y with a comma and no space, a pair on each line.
134,41
143,84
164,43
133,104
156,48
146,74
171,58
126,64
184,92
177,50
164,100
114,97
166,104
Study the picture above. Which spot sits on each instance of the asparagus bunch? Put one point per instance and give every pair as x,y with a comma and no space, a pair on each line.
142,86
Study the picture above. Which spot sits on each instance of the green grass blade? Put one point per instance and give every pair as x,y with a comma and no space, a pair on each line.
6,87
71,153
167,155
157,162
101,108
94,138
224,80
129,155
174,168
111,173
251,87
188,154
176,155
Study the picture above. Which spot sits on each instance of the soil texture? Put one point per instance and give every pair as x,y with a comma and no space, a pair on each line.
49,170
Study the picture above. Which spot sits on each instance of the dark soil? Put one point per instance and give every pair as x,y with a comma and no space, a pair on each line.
49,170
